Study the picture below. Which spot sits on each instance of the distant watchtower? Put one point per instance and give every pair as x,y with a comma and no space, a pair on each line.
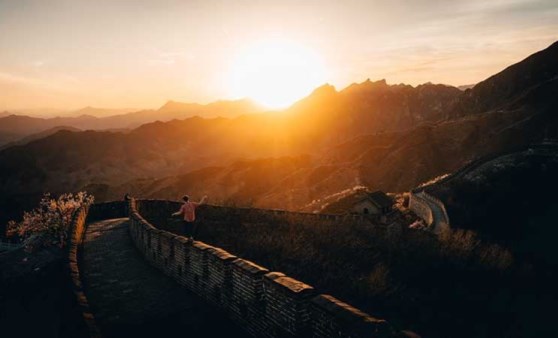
375,203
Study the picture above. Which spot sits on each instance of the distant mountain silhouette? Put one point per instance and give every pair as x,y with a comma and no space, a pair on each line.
38,136
98,112
14,127
370,107
465,87
177,110
214,109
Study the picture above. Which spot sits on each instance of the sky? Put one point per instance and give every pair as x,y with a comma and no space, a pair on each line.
67,54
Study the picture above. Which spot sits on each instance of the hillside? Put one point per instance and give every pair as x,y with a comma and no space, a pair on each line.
515,87
508,199
38,136
405,277
394,160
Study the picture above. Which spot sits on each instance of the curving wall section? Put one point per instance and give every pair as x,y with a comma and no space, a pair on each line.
160,210
77,231
420,207
98,211
264,303
444,218
430,209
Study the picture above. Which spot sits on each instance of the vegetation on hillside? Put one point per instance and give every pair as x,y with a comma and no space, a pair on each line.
454,285
508,199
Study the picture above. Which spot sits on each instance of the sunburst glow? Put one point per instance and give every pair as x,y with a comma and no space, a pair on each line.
276,73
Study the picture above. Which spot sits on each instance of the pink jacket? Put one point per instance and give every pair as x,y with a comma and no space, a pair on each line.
188,209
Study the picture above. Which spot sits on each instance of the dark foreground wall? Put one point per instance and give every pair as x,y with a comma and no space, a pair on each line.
266,304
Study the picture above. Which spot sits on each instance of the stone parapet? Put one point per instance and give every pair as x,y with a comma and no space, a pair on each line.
264,303
77,231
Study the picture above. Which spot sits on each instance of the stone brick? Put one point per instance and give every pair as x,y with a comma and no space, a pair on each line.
199,268
247,305
287,305
127,294
266,304
219,279
331,317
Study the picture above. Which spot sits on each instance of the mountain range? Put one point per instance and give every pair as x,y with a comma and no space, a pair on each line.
388,137
14,128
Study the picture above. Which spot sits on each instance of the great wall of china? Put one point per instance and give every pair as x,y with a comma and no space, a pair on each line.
430,209
263,303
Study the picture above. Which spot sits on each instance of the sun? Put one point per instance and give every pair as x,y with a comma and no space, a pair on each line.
276,73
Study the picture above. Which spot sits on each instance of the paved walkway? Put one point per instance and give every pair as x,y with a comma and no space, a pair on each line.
130,298
438,216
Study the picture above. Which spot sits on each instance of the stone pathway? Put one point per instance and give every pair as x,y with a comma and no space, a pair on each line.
130,298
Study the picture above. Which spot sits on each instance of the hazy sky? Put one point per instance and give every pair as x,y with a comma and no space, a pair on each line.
66,54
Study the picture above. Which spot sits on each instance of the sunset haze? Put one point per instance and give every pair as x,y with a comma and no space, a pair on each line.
122,54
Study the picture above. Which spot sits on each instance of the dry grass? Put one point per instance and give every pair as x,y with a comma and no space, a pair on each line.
435,286
454,285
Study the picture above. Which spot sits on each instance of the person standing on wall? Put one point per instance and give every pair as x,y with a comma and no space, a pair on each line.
188,209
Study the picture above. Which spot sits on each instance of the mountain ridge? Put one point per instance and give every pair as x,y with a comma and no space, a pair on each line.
14,127
494,92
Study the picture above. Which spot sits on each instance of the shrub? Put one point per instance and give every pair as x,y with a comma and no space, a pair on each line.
462,247
49,223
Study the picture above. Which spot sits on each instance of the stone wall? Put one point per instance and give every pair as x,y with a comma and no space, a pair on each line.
264,303
77,231
159,211
444,214
420,207
431,209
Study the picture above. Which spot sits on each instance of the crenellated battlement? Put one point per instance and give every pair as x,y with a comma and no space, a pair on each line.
264,303
159,211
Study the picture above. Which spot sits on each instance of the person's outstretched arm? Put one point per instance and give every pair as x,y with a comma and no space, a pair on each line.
202,201
178,212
